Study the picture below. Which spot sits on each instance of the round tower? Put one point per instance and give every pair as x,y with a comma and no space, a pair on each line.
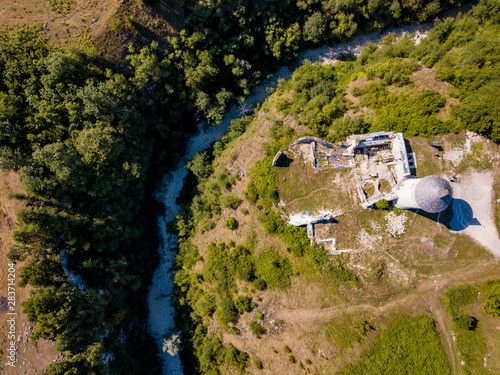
432,194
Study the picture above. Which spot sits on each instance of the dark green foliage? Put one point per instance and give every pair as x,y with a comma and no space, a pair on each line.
308,362
464,321
292,359
409,345
41,271
491,304
256,328
60,313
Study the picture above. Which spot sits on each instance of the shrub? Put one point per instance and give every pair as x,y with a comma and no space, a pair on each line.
491,304
226,313
231,223
363,328
130,22
292,359
229,201
287,349
458,296
242,304
464,321
259,315
308,362
258,364
259,284
382,204
114,24
256,329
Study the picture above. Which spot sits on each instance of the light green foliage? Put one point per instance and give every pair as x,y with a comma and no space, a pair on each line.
231,223
363,327
409,345
382,204
61,6
256,328
273,269
458,296
287,349
243,304
491,304
259,315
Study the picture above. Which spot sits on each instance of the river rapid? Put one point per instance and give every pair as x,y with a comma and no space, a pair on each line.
161,312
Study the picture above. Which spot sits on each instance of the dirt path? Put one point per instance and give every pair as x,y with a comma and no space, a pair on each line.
443,326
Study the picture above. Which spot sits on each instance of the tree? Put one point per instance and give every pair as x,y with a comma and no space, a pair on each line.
200,165
491,304
314,27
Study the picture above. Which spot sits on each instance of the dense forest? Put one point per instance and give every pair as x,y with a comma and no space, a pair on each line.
89,142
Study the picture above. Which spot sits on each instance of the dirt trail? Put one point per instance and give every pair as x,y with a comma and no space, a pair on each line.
443,326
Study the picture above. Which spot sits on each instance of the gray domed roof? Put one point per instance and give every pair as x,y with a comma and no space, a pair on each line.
433,194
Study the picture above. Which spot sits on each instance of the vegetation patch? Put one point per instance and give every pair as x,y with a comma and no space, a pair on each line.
409,345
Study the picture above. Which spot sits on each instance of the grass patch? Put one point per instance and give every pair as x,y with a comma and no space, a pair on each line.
342,332
61,6
409,345
441,241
